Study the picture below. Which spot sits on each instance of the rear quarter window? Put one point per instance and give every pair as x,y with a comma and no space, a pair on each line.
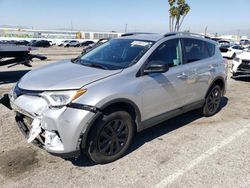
195,50
211,49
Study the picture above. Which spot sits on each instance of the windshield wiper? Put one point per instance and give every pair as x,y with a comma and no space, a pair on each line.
75,60
96,65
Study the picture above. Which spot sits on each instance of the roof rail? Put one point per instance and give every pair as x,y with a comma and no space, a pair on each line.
185,33
136,33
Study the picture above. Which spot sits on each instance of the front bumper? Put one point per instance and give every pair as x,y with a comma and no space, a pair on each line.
67,124
241,69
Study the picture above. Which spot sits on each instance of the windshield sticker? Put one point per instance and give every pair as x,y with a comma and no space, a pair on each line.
139,43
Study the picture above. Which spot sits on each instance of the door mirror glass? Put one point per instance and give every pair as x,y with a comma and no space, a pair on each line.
156,67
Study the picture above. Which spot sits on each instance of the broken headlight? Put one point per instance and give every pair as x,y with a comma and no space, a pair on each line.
62,98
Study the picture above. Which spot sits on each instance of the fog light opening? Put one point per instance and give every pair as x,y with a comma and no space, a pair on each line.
52,139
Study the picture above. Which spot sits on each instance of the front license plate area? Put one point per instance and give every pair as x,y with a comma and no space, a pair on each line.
35,130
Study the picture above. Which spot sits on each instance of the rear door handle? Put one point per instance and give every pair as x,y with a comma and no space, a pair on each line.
182,76
211,68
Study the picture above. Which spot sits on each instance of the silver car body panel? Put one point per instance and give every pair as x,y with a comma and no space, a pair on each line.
63,75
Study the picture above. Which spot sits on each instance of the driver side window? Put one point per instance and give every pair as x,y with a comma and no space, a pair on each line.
169,52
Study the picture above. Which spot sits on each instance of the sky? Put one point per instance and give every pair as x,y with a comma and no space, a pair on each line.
219,16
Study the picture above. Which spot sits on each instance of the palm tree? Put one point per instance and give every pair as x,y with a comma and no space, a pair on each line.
177,12
184,13
171,13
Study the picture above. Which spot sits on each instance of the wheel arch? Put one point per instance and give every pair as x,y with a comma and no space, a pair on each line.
121,103
217,81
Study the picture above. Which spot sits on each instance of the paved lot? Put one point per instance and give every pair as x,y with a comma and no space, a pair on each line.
188,151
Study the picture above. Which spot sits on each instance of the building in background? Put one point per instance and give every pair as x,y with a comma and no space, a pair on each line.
55,34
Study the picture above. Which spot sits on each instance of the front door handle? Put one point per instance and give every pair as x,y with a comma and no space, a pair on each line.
182,76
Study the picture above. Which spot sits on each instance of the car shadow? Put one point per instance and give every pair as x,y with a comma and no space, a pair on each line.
8,77
152,133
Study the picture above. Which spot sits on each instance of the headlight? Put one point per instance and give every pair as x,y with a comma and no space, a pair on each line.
62,98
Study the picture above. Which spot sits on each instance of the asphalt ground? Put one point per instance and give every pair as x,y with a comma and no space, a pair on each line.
187,151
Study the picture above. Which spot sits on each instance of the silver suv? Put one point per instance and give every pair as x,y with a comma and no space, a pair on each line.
96,102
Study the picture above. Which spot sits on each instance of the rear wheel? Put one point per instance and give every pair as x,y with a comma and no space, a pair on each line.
110,136
212,102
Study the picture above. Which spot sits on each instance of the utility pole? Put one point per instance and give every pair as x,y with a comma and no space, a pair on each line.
71,26
126,28
206,31
238,34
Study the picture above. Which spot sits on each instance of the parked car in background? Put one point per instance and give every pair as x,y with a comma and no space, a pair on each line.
22,43
32,42
72,43
94,45
244,42
87,43
40,43
216,39
8,42
95,103
61,43
231,51
241,64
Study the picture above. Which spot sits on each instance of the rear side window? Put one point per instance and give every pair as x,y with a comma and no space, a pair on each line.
195,50
236,47
211,49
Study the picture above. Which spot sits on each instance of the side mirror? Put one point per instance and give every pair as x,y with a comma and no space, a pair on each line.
156,67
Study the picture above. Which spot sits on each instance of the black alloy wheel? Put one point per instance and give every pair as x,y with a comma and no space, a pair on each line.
113,137
212,102
214,99
110,136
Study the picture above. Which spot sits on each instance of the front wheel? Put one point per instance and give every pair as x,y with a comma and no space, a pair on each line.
110,136
212,102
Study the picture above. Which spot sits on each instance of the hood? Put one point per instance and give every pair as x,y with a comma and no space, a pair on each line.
244,55
63,75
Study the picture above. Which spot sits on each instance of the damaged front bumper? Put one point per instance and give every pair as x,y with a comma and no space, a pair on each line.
61,128
241,69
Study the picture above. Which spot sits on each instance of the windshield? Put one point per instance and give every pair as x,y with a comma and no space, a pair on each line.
116,54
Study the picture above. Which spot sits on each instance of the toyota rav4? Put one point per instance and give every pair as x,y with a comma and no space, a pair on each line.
96,102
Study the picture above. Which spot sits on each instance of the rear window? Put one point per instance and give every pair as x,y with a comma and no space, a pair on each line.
196,50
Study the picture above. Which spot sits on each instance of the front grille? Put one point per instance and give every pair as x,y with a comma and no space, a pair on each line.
18,92
24,123
245,65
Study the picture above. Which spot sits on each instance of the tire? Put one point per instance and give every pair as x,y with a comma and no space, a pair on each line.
233,56
212,101
102,144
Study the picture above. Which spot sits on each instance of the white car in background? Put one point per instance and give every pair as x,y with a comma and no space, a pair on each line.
241,64
231,51
72,43
244,42
62,42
